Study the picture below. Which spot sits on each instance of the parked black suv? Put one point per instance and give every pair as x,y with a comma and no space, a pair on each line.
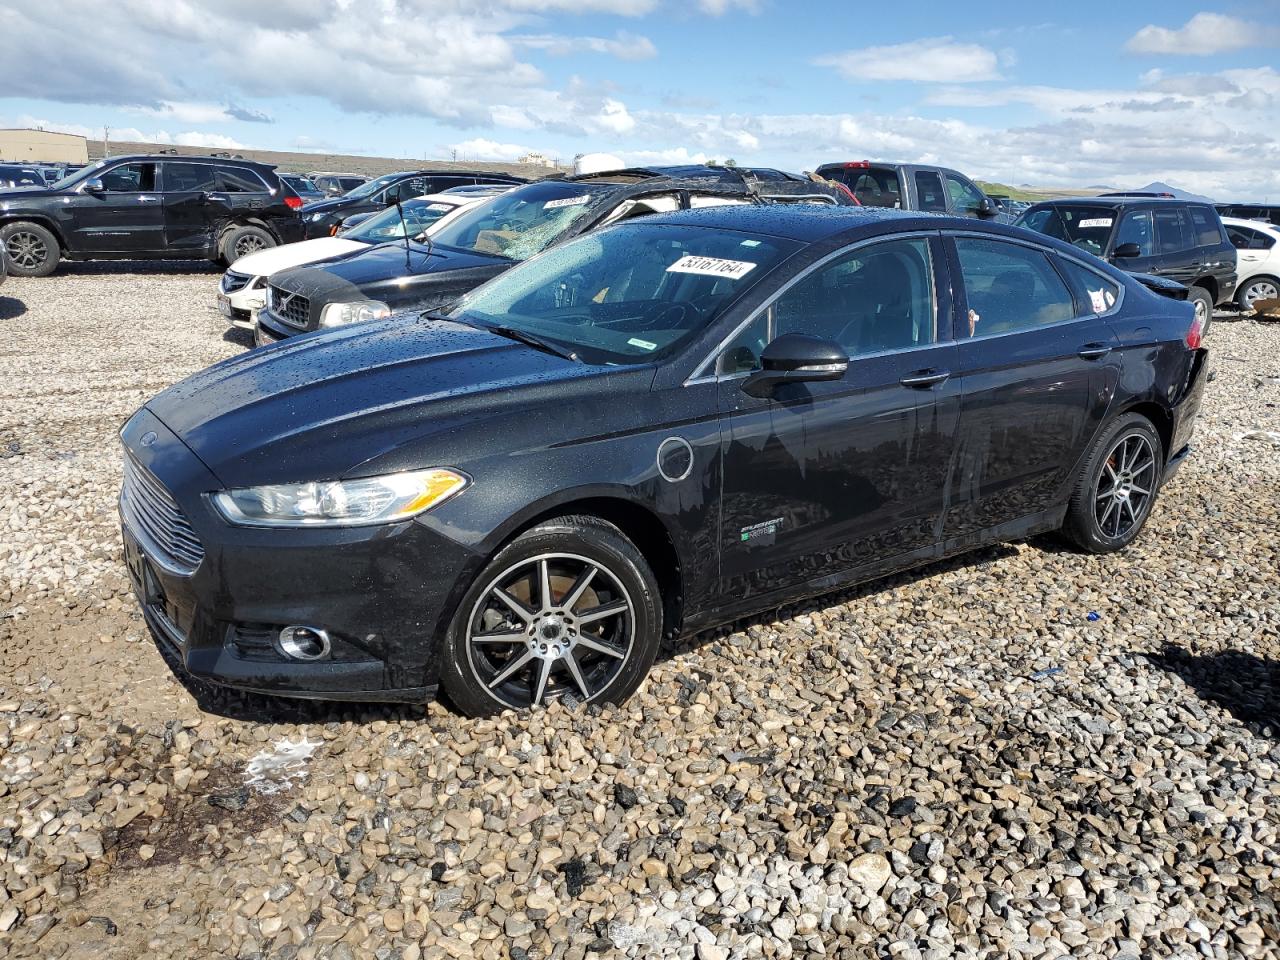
324,217
489,238
1179,240
910,186
161,207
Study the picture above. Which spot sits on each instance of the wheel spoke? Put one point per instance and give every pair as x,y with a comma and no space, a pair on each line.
571,662
1109,492
518,608
598,646
578,589
543,673
544,584
603,611
1142,490
499,638
1146,465
511,668
1106,515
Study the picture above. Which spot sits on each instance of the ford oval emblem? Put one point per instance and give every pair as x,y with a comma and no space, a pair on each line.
148,438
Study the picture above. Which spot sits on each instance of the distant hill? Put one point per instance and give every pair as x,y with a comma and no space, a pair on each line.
1159,186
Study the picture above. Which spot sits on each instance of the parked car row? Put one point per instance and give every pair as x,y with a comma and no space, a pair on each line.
678,399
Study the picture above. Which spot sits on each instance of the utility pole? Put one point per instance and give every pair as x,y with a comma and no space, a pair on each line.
106,142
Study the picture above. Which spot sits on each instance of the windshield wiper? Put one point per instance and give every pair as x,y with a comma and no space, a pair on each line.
546,346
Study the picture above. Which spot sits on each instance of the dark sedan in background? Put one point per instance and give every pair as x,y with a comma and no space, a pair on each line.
656,427
481,243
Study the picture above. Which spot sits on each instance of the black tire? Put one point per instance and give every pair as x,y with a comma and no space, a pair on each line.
241,241
32,250
622,577
1202,300
1256,288
1089,525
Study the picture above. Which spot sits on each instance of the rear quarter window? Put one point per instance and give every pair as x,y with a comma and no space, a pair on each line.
238,180
1094,292
1206,226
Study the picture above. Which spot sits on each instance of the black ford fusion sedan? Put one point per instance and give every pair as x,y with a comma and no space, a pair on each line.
656,427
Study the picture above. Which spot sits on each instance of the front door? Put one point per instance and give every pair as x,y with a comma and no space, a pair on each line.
1037,371
126,217
823,478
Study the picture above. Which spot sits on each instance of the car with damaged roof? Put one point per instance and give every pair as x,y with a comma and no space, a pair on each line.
484,241
159,207
650,429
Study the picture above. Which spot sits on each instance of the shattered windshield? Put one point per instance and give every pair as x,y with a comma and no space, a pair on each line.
517,224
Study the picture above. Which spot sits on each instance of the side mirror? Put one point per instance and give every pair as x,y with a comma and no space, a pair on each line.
796,358
95,185
1127,251
987,208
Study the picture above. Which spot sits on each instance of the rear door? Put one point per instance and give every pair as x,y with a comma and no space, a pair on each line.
126,217
929,192
186,188
823,478
1037,371
1177,253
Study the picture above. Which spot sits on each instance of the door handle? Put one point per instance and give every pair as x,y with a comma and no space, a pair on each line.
144,198
1094,351
924,378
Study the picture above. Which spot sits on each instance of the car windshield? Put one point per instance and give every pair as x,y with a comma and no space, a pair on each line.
71,179
627,294
373,186
418,215
1088,227
522,222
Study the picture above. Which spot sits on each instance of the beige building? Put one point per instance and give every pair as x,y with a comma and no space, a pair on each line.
42,146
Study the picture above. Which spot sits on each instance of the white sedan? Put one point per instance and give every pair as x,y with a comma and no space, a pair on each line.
1257,246
243,288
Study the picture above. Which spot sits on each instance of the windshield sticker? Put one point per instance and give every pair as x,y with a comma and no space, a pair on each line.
567,202
1098,300
750,243
712,267
439,206
642,344
1095,222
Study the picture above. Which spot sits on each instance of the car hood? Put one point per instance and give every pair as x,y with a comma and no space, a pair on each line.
329,204
29,193
319,406
394,275
273,259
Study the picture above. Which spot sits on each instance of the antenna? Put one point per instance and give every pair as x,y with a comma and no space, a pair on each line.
404,232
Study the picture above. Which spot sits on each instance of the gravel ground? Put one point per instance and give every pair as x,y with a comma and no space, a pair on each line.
960,762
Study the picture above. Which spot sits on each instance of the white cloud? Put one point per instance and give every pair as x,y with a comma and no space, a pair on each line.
933,60
489,150
188,138
718,8
625,46
1202,35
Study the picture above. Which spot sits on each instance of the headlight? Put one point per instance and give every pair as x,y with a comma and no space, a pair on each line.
340,314
340,503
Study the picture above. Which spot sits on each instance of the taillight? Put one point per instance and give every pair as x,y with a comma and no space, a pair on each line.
1195,334
293,203
857,165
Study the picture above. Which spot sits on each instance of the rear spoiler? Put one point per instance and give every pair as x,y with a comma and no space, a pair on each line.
1165,288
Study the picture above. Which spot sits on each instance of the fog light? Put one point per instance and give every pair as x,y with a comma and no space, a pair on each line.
304,643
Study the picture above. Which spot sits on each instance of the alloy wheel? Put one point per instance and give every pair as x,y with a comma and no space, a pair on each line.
554,625
1202,311
247,245
1260,290
26,249
1125,486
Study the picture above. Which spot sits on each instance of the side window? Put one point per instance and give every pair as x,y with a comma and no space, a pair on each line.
877,298
1135,227
1206,227
238,180
1243,238
1010,287
965,197
183,177
1094,292
929,188
1172,233
130,178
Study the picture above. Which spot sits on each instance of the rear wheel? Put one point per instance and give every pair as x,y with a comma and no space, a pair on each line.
1255,289
1202,300
569,609
1117,486
32,250
241,241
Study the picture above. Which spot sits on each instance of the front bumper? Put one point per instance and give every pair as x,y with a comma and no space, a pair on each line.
383,593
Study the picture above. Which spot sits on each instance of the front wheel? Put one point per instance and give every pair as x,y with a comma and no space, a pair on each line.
32,250
1202,300
1255,289
1117,486
569,609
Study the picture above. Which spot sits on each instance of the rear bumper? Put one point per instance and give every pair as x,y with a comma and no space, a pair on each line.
1186,409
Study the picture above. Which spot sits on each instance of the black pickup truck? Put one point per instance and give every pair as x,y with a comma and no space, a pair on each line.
161,207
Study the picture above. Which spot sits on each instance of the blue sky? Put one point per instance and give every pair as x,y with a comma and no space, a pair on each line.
1079,94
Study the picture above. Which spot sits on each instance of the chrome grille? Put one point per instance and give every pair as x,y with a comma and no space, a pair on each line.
157,521
293,308
231,281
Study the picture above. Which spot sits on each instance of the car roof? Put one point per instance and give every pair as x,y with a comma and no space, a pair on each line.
807,223
1115,201
180,158
1256,224
702,172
